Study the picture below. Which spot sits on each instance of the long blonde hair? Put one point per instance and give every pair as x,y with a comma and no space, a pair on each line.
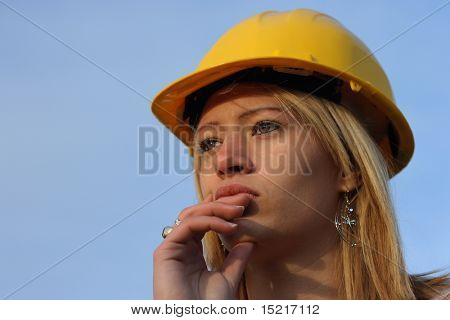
376,268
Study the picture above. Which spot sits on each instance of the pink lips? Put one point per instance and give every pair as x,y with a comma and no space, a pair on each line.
232,189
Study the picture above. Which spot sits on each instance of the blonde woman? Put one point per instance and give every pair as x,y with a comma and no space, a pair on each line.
294,135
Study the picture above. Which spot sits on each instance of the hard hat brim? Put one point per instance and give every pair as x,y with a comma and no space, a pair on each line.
390,130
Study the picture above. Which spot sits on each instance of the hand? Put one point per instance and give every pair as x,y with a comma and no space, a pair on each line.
179,268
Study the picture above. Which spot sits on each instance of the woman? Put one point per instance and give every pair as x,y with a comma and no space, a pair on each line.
294,136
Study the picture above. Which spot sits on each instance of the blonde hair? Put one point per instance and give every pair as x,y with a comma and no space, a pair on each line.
376,268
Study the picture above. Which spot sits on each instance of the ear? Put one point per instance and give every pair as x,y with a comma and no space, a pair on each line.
349,182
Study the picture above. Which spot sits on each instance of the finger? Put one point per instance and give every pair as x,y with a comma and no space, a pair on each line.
222,210
194,228
240,198
228,204
236,261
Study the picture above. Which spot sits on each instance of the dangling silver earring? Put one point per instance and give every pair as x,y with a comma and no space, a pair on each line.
345,222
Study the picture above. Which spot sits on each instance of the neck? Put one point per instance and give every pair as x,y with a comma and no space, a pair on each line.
306,275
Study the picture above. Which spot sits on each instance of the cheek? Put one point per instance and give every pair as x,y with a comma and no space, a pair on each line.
300,181
207,183
204,176
293,153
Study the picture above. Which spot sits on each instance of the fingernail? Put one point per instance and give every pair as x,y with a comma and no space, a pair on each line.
241,207
232,224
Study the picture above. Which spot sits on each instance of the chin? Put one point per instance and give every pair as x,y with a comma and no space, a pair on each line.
230,241
250,229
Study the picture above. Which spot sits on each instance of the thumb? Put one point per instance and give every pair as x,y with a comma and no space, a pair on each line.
235,262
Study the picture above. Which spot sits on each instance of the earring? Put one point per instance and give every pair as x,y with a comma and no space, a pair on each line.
345,222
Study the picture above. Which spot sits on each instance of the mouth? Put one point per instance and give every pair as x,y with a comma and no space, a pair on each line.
232,189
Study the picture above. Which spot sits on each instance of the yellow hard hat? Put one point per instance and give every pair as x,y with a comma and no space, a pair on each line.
306,44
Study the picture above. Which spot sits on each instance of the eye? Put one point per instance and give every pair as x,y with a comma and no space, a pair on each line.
261,127
207,144
265,126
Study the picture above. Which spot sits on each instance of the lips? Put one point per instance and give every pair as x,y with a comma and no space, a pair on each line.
232,189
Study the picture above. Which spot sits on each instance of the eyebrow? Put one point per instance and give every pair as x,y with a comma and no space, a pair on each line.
243,115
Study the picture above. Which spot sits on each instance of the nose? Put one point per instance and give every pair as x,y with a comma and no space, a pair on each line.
232,157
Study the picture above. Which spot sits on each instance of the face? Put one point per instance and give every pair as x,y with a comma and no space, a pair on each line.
244,137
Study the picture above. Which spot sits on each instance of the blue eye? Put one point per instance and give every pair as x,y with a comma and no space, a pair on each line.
207,144
265,126
261,127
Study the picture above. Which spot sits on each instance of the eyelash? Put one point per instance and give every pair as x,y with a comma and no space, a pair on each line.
203,144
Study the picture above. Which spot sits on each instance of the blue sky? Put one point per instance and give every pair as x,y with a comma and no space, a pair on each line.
69,132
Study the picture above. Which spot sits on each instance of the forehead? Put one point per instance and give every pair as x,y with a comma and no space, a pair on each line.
235,99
